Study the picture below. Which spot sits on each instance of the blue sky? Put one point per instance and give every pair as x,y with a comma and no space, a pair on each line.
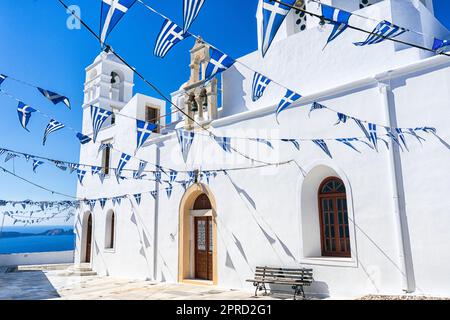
36,46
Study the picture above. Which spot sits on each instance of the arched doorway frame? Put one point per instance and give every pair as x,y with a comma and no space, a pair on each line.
185,233
84,237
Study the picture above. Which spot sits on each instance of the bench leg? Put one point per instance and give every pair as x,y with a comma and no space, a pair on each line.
297,291
260,287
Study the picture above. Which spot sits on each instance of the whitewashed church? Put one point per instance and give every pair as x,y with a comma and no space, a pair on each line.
365,222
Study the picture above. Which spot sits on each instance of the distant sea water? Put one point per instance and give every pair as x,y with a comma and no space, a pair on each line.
38,243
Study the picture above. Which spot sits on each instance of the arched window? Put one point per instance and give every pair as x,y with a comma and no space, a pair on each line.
110,230
117,87
333,213
202,202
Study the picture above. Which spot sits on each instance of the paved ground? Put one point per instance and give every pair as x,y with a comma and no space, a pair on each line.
52,284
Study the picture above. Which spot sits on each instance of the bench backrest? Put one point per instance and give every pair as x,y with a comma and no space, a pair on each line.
284,274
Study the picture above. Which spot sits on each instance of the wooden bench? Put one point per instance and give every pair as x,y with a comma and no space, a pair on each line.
297,278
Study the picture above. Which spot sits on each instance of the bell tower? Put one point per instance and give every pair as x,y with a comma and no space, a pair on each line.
200,100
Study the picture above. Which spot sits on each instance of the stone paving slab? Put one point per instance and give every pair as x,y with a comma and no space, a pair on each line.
52,284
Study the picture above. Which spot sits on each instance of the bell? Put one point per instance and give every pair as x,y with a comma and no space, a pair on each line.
204,97
194,106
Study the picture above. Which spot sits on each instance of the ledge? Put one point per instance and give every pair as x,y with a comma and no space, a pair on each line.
330,261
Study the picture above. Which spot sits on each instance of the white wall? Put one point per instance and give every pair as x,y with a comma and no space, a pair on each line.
37,258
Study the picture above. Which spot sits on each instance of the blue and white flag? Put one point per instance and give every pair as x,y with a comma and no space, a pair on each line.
185,139
52,126
81,174
315,106
54,97
273,16
73,167
438,45
24,113
412,132
28,157
259,85
124,158
102,202
154,193
2,151
224,143
169,190
401,137
116,200
92,204
2,78
265,141
218,62
10,156
393,137
137,174
173,175
321,143
157,175
95,170
295,142
36,164
339,20
342,118
384,30
169,36
363,128
138,197
60,165
207,175
348,142
101,176
98,116
112,12
373,135
289,98
83,138
104,146
144,130
191,175
191,9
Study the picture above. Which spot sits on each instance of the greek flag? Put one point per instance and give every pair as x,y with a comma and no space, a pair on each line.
173,175
289,98
98,116
24,113
112,12
73,167
384,30
315,106
438,45
91,204
169,191
224,142
348,142
218,62
137,174
373,135
341,118
95,170
101,176
266,142
207,176
321,143
52,126
36,163
259,85
157,175
83,138
28,157
185,139
60,165
169,36
401,136
339,18
124,158
273,16
191,9
294,142
138,197
54,97
10,156
144,130
2,78
154,193
117,200
102,202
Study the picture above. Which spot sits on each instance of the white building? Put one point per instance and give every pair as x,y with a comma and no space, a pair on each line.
394,235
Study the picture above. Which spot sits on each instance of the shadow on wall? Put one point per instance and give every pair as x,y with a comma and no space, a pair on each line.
233,103
26,285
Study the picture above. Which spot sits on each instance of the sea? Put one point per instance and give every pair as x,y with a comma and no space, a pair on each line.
30,244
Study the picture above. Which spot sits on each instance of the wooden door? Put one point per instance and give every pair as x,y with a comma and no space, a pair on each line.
88,240
203,248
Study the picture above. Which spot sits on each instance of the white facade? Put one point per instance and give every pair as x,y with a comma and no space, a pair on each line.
398,204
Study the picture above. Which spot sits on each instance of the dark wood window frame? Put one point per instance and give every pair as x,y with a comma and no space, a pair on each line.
338,228
106,160
152,115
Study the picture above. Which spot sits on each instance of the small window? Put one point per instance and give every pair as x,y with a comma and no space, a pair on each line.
106,158
202,202
113,119
152,116
110,230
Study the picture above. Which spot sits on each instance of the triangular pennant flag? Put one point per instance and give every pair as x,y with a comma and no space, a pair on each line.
154,193
265,141
289,98
295,142
52,126
72,167
144,130
259,85
341,118
172,175
373,135
273,16
83,138
169,191
191,9
104,146
54,97
98,117
339,19
138,173
321,143
24,112
439,46
111,13
384,30
185,139
36,164
92,204
81,174
95,170
315,106
102,176
402,137
157,175
348,142
218,62
363,128
2,78
28,157
412,132
124,158
60,165
169,35
137,197
224,143
10,156
102,202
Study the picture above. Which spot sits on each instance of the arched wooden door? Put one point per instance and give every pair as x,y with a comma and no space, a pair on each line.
88,240
203,233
